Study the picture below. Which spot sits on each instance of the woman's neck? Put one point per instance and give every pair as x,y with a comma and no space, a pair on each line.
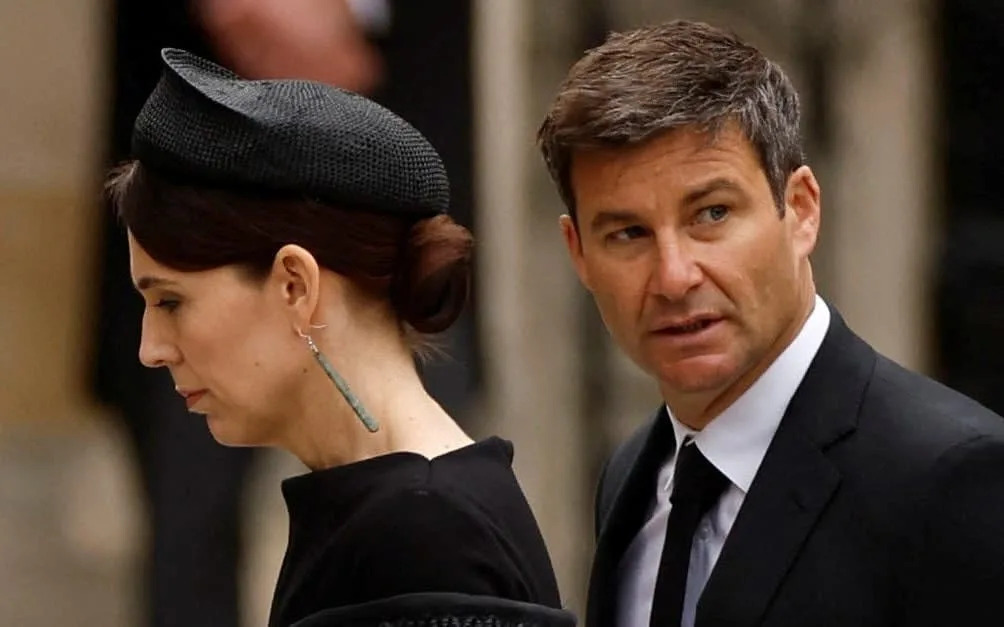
381,373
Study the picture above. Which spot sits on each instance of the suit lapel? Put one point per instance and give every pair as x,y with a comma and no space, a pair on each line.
793,485
631,477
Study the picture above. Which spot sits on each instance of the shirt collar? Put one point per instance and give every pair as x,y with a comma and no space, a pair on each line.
736,441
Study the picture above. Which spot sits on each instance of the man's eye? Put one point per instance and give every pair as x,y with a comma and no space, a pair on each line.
711,215
627,234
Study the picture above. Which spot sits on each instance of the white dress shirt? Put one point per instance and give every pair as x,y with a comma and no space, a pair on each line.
735,442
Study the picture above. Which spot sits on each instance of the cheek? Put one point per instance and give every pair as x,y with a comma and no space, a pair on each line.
760,281
619,291
239,357
752,264
203,344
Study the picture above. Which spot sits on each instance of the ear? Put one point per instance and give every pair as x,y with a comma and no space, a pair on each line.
297,278
802,208
570,232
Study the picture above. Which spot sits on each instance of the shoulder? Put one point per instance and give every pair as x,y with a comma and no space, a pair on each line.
619,464
956,562
422,518
428,539
617,468
927,417
912,417
908,429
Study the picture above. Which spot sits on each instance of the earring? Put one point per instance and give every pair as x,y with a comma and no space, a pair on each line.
368,421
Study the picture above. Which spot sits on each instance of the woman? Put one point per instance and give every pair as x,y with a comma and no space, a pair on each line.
291,243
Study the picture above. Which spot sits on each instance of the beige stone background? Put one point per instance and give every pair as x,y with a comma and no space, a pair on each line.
70,524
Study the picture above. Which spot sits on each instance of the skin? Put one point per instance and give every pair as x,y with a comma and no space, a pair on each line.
234,343
311,39
695,273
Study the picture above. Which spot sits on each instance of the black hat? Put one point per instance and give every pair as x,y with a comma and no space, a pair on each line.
205,124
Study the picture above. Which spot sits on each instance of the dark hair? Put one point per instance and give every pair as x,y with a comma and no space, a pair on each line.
422,266
643,83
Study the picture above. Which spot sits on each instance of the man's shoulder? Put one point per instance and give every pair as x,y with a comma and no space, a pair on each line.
617,467
925,412
912,414
626,453
910,430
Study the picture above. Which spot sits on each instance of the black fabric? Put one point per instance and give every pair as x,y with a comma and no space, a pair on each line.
697,485
967,299
877,504
441,610
206,125
400,524
625,490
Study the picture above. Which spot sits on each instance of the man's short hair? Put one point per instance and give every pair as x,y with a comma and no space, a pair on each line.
680,74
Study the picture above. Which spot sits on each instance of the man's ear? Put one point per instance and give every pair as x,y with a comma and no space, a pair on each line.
802,205
570,233
297,278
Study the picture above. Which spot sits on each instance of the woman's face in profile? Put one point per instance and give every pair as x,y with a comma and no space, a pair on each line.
228,346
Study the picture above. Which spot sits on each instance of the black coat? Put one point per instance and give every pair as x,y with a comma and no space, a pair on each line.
880,501
440,610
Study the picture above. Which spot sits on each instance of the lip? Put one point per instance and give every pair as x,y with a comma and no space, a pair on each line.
678,327
191,396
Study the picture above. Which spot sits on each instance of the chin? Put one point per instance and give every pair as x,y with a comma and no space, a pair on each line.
234,431
697,374
223,431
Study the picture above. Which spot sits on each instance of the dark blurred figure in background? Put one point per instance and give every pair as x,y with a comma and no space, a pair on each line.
969,300
413,58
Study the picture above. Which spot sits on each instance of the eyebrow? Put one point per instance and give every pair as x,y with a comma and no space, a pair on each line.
606,217
146,282
711,187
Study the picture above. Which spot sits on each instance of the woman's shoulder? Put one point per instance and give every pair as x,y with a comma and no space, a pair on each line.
428,538
456,523
422,517
469,495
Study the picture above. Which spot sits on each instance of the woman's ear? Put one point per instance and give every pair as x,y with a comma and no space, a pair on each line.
297,278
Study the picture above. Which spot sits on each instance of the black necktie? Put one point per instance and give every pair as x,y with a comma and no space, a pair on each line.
697,484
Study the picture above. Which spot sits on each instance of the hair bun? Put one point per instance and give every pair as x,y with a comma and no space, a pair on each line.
434,275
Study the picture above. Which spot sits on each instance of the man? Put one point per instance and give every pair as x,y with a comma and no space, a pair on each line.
794,476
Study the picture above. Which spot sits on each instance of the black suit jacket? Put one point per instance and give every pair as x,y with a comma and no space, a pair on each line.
880,501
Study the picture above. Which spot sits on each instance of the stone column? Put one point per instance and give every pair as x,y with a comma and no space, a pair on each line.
882,202
530,300
49,104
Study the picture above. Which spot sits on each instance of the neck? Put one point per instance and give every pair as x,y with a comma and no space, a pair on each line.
381,373
698,410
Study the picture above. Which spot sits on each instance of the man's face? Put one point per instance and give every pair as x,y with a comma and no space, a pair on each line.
696,275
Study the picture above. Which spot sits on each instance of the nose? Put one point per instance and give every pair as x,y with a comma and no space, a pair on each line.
677,271
155,350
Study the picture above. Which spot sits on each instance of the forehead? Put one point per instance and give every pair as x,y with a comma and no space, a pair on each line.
147,272
670,164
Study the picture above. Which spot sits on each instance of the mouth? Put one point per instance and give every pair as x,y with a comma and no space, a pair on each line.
688,326
191,396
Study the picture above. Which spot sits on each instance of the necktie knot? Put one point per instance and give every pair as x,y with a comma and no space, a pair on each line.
696,480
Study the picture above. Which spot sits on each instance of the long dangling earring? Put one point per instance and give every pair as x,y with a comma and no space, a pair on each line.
368,421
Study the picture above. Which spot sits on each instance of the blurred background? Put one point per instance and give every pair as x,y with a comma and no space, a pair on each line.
116,509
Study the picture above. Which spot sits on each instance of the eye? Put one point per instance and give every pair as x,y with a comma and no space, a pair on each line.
626,234
167,304
712,215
